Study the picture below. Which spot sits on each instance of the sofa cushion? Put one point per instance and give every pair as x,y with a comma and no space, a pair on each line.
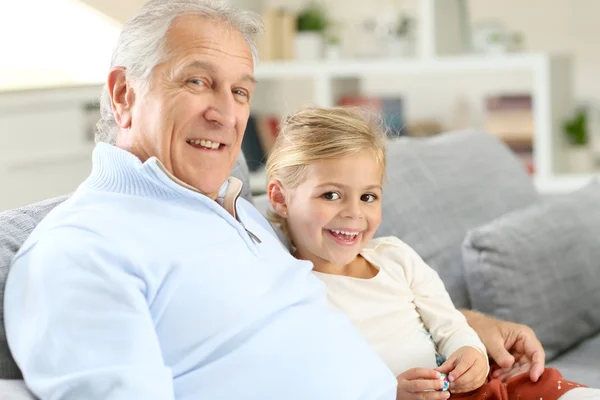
540,266
580,364
439,188
15,227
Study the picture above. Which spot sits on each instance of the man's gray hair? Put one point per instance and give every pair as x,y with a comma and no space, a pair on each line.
142,45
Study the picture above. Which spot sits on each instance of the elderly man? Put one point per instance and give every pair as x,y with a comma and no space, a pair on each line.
154,281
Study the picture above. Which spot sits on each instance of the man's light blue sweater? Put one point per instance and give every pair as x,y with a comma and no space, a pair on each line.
140,288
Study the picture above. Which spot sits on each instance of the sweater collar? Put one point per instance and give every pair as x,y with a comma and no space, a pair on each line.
117,170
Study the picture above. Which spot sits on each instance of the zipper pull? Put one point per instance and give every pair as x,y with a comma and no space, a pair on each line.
253,236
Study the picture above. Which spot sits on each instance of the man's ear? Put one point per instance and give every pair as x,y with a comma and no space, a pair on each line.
278,197
122,96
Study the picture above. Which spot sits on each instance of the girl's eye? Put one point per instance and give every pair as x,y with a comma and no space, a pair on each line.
368,198
331,196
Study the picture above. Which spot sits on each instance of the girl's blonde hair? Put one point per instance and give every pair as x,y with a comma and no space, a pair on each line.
313,134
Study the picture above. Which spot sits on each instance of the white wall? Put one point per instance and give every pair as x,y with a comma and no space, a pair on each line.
49,43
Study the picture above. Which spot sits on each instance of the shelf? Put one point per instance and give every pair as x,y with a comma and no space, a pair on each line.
565,183
437,65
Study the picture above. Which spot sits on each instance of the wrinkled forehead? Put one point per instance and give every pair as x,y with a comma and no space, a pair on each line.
193,33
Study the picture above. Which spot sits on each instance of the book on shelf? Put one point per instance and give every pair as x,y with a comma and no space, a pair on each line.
277,42
390,110
510,117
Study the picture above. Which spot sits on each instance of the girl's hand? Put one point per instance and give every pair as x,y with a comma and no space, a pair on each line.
466,369
420,384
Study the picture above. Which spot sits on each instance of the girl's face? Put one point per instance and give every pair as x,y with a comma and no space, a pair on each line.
336,210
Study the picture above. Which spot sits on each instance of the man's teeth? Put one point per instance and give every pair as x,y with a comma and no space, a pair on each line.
345,232
205,143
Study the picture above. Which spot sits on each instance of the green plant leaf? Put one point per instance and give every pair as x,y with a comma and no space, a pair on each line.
313,18
576,129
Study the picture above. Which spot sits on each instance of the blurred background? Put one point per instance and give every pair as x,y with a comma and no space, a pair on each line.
525,71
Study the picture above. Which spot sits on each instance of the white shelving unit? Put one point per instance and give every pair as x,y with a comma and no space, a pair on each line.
550,87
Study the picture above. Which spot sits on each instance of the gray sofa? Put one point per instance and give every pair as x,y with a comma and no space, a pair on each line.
466,204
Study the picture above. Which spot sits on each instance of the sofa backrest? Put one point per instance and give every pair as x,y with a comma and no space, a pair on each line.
15,227
438,188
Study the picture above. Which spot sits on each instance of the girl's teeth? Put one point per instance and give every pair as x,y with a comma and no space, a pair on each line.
345,233
346,236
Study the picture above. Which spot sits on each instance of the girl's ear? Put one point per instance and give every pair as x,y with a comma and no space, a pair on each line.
277,196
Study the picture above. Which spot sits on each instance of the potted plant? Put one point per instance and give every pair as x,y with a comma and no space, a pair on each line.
311,24
579,156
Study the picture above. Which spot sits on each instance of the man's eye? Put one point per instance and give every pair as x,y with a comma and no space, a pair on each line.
331,196
198,82
241,92
368,198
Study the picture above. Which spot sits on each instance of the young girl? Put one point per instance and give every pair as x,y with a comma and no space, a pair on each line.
326,172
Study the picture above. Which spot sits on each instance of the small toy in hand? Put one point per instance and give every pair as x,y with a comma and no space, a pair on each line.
446,382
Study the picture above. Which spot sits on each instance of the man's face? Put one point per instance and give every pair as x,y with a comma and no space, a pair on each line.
194,113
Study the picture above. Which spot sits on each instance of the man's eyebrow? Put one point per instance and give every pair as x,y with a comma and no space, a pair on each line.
197,64
249,78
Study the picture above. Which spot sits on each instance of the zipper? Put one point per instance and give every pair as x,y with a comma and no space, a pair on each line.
178,181
254,238
252,235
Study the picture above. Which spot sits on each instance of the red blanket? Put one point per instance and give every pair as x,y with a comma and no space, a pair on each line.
550,386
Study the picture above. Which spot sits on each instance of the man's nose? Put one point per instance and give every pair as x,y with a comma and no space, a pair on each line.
222,111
